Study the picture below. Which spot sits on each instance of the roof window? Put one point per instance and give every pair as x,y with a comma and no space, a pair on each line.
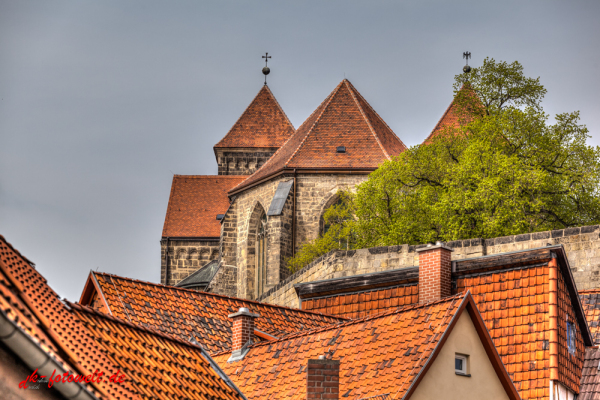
341,149
220,216
571,335
461,364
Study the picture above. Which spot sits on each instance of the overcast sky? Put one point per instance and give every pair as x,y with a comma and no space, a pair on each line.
102,101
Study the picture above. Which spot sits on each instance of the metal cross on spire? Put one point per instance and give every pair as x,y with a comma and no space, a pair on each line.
466,68
266,69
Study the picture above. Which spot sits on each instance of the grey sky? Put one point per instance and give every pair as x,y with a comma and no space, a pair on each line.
102,100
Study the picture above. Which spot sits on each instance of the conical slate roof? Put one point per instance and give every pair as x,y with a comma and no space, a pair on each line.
344,118
263,124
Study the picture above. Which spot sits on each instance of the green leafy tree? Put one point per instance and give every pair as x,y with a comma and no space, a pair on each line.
502,170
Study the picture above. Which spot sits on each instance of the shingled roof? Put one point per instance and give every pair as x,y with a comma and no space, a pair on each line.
345,119
194,203
161,366
263,124
188,313
381,355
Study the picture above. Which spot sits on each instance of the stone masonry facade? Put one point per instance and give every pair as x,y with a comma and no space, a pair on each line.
184,257
241,161
238,232
582,245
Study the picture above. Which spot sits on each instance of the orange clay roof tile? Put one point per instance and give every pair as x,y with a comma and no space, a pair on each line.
263,124
380,354
344,118
204,316
590,377
164,366
590,300
31,304
194,203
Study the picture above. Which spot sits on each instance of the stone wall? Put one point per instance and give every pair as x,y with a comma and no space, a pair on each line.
224,281
581,244
242,161
314,192
184,257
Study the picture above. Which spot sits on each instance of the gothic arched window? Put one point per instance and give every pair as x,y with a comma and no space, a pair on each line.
261,255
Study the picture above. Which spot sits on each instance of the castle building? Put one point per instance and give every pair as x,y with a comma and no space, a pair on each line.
274,184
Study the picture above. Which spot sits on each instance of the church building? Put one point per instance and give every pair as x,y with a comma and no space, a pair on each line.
234,232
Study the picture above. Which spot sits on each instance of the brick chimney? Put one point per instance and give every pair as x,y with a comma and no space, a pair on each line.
242,330
323,379
435,272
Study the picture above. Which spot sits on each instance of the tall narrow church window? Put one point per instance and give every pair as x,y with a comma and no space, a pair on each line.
261,255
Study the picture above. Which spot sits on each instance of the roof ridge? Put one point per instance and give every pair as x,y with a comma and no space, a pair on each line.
280,108
221,296
325,103
376,114
142,328
362,112
248,107
273,157
358,320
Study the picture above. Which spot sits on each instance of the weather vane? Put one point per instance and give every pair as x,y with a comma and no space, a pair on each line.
266,69
466,68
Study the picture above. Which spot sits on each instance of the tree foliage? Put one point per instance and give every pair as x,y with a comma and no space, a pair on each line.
503,170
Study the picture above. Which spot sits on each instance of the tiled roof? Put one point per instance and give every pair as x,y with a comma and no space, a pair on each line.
358,305
514,303
450,119
160,366
590,377
379,355
28,301
344,118
590,300
194,204
204,316
263,124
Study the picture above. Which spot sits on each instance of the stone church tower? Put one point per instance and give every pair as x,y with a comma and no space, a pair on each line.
274,185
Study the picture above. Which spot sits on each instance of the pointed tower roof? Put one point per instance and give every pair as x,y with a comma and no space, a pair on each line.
263,124
451,116
345,119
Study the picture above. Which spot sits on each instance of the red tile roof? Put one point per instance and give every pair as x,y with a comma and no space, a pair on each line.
359,305
194,204
344,118
590,377
450,119
263,124
188,313
160,366
28,301
380,355
590,300
515,306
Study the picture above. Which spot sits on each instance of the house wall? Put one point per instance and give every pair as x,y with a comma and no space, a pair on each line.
242,161
441,381
185,257
582,245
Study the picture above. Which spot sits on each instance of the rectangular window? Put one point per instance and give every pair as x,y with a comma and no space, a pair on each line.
461,364
571,335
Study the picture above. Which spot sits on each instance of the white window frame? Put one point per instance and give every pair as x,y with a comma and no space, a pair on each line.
465,369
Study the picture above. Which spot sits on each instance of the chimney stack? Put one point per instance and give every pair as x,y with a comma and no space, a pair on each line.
323,379
435,272
242,330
